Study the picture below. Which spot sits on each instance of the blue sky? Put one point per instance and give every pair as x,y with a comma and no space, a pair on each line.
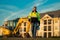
11,9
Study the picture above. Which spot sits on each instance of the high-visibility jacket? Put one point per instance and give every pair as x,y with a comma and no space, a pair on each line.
34,14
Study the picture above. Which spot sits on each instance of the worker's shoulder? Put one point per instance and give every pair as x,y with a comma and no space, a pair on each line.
38,13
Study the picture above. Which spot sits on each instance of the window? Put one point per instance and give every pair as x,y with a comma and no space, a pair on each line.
8,23
14,24
24,29
45,28
11,23
45,21
49,34
24,23
49,28
45,34
49,21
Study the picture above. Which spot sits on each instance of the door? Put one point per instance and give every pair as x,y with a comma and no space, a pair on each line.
49,34
45,34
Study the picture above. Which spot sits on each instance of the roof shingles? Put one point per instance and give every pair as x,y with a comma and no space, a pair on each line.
52,14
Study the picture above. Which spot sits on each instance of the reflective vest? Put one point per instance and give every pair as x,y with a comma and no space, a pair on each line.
34,14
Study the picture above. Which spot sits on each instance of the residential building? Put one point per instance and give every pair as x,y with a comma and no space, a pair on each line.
50,24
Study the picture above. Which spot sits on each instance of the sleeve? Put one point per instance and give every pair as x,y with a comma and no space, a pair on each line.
38,15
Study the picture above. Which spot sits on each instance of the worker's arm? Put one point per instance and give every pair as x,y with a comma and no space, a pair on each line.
38,15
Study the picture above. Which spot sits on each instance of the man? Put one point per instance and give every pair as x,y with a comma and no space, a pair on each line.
34,18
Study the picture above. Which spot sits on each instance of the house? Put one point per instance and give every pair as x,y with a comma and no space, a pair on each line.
50,24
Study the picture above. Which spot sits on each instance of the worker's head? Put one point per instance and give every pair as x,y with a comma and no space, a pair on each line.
34,9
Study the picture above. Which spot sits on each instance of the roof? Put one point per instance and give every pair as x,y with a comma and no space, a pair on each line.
52,14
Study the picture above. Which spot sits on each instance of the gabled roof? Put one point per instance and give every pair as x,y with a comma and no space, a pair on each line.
52,14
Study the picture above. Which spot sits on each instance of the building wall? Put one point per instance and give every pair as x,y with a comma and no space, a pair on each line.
42,25
55,26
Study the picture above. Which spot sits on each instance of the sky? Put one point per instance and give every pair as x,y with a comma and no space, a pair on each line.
12,9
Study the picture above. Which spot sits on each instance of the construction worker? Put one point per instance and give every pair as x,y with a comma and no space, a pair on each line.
34,18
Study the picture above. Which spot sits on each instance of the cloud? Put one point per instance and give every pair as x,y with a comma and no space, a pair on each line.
51,7
4,14
34,3
4,10
40,2
9,7
14,14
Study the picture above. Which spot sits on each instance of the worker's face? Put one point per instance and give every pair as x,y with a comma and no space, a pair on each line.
34,9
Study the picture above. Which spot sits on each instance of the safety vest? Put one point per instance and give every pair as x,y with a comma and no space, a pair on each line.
34,14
